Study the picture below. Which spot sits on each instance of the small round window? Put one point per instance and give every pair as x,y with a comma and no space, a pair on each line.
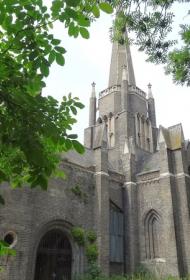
10,238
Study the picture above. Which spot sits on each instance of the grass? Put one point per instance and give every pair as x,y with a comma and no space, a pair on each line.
132,277
94,273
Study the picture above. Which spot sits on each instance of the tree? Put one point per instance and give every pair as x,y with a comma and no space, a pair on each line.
148,24
178,63
35,129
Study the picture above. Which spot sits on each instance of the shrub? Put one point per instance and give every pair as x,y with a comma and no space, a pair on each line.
94,271
91,252
78,234
91,236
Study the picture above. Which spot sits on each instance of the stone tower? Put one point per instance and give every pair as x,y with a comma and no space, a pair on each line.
125,109
154,165
131,187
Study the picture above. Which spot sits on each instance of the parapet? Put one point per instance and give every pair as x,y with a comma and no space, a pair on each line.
109,90
137,90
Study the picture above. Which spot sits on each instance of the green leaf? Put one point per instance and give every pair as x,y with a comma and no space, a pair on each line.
73,3
33,55
56,42
76,32
44,69
71,13
72,136
105,7
96,11
60,59
83,21
78,147
71,30
60,49
56,6
74,110
68,144
84,33
79,105
52,56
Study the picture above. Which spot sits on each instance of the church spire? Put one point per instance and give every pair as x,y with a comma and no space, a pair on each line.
121,55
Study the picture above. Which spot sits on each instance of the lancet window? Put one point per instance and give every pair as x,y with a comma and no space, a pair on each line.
152,224
116,234
143,132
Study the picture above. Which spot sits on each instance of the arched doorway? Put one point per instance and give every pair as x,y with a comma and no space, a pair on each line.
54,257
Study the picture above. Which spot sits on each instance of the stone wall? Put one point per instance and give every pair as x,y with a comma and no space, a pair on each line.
31,213
154,197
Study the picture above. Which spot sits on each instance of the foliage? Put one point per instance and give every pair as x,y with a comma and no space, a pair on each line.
99,276
91,236
93,272
150,21
91,252
35,129
148,24
142,273
5,250
30,145
86,239
179,59
78,235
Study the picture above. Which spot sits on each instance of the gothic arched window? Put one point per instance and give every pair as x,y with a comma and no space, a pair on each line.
116,234
152,234
54,257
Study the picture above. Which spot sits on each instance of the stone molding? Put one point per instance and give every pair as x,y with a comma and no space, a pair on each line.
129,183
101,173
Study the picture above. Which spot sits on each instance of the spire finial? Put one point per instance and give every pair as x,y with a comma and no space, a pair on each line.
124,73
93,94
150,95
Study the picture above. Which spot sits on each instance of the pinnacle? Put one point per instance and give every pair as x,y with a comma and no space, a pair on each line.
93,93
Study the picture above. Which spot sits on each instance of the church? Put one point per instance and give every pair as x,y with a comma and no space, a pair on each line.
131,187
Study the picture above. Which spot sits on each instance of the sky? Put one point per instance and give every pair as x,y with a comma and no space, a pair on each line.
88,61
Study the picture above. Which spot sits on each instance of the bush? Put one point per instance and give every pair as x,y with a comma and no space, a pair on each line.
91,236
91,252
78,234
94,273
